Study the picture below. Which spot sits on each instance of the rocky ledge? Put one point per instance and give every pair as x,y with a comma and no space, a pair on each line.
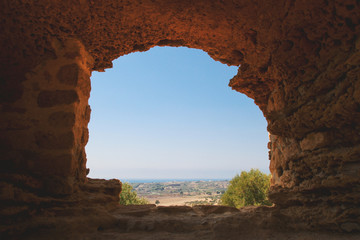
92,213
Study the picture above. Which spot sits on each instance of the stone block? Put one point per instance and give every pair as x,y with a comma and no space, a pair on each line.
59,97
59,185
68,74
313,141
62,119
52,164
50,140
13,109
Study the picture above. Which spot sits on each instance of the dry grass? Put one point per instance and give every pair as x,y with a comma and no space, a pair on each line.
175,200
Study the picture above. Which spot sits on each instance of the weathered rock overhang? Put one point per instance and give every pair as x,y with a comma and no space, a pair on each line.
299,61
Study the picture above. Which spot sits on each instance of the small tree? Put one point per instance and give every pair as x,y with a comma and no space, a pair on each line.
248,188
129,197
157,202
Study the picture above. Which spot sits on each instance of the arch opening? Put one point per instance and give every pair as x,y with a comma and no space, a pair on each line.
168,114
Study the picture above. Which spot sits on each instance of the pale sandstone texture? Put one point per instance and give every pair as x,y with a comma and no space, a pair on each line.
298,59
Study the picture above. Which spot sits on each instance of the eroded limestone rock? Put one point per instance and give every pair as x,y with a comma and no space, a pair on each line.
298,60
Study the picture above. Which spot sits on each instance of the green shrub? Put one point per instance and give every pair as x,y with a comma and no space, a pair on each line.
129,197
248,189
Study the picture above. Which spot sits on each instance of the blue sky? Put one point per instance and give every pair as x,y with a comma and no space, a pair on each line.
169,113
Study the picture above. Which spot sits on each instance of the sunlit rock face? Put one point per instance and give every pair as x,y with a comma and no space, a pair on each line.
299,61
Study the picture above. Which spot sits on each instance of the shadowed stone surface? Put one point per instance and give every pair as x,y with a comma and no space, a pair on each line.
53,98
298,60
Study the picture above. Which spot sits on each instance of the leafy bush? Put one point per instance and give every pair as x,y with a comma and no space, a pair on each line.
129,197
247,189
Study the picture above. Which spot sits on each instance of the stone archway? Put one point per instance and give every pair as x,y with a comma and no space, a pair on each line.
299,62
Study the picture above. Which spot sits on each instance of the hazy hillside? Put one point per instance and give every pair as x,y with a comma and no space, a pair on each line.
182,192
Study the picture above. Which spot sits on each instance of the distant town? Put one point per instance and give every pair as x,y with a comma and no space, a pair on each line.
182,192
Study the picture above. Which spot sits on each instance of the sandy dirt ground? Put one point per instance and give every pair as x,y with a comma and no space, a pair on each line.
174,201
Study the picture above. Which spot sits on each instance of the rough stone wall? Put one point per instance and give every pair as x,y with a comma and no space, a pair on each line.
315,144
44,132
299,62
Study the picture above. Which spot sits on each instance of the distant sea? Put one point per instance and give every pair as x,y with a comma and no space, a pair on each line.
168,180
